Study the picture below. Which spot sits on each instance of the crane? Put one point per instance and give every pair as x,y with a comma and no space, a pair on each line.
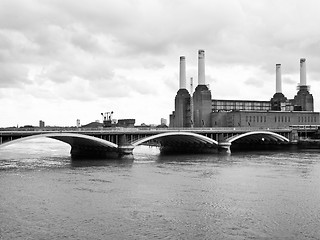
106,118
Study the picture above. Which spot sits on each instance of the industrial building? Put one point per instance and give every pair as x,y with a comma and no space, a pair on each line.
200,110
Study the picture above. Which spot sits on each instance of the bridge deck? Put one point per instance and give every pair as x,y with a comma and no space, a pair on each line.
125,139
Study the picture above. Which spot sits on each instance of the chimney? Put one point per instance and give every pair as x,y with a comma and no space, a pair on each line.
303,72
201,69
182,76
278,79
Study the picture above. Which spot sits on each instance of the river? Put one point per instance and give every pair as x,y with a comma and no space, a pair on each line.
251,195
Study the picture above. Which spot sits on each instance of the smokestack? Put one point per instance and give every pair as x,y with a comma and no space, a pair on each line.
201,70
278,79
182,76
303,72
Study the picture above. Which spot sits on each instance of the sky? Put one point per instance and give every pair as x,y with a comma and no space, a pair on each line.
63,60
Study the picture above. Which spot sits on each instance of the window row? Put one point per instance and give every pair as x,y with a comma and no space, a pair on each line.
231,105
307,119
282,119
256,118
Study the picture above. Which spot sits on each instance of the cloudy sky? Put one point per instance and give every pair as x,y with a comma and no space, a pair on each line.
62,60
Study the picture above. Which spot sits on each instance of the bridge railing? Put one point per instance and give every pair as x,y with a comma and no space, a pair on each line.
135,129
153,129
309,127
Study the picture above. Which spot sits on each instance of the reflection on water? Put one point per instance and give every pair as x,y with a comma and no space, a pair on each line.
258,195
99,162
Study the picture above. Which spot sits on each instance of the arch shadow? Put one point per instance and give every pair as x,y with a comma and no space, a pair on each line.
258,135
178,137
73,139
181,142
258,140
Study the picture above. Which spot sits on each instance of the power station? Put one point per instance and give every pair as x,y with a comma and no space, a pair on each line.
201,110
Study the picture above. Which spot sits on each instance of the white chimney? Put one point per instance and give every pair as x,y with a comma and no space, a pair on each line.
182,76
278,79
303,72
201,69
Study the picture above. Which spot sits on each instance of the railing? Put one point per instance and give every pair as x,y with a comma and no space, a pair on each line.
137,130
306,127
155,129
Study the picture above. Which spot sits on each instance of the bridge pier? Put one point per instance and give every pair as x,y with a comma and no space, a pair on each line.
125,149
224,147
125,152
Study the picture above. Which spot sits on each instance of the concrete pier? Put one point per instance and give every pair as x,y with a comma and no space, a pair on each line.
224,147
125,149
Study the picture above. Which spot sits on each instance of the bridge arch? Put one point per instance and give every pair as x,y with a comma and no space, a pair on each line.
73,139
181,137
257,136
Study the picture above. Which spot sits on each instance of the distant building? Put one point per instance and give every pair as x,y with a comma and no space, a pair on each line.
126,123
78,123
41,124
163,121
207,112
263,119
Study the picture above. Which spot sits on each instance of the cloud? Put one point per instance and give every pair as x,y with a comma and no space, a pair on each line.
101,50
12,75
289,80
233,32
254,82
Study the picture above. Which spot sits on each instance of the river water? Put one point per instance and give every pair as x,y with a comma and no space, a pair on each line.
253,195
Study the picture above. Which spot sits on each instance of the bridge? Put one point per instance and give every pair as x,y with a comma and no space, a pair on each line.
111,143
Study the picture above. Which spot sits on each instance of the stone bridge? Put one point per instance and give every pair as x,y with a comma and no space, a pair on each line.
121,142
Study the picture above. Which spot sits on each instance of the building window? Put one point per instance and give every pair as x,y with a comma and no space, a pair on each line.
275,119
288,119
298,119
254,118
265,118
285,118
250,119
